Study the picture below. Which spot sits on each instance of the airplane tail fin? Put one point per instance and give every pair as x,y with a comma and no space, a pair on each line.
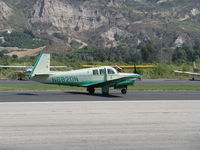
42,65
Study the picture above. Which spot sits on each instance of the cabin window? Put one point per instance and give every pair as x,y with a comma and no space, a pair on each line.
95,72
110,71
102,71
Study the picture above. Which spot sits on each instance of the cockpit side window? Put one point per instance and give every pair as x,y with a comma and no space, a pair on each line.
95,72
110,71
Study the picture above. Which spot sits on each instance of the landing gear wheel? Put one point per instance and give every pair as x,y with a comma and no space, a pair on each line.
124,91
91,91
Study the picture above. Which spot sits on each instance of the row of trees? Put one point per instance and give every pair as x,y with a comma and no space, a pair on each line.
144,53
186,53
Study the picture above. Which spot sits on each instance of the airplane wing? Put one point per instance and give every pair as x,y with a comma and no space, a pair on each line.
30,66
190,73
122,67
137,67
16,66
110,82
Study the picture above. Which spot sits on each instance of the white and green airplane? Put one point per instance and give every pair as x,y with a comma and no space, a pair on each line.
91,78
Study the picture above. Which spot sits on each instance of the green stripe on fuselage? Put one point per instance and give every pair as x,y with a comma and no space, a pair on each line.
124,83
64,79
72,81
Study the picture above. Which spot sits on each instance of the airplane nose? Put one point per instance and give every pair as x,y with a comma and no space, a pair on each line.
136,76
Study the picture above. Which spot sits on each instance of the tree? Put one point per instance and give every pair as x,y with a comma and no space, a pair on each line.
149,52
1,54
196,45
179,55
14,56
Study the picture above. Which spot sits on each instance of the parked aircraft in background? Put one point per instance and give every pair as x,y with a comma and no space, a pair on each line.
91,78
26,70
195,72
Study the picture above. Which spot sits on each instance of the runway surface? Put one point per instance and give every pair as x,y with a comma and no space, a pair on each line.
100,125
53,96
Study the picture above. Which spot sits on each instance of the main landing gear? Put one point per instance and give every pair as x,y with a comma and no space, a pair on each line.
124,91
105,90
91,90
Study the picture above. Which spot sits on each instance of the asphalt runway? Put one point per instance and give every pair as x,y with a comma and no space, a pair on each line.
100,125
55,96
16,82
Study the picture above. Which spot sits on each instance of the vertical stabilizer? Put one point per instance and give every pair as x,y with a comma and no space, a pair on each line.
42,65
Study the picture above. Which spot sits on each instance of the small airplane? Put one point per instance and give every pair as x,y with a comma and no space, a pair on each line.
196,71
91,78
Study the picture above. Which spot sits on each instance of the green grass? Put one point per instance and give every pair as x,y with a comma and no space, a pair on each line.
44,87
39,87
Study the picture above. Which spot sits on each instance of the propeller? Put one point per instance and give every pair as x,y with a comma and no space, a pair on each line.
135,70
118,68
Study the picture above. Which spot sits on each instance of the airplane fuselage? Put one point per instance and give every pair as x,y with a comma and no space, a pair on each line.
84,77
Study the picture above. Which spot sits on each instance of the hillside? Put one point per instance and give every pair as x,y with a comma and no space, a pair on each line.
118,24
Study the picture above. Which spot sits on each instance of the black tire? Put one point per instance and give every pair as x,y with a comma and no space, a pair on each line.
91,91
124,91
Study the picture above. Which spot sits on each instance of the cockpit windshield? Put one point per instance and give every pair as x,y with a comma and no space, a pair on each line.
109,71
